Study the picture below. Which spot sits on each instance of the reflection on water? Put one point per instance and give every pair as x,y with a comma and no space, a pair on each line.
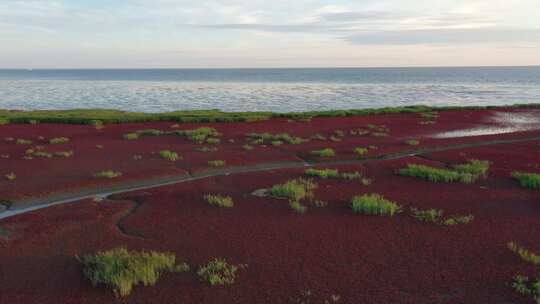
500,123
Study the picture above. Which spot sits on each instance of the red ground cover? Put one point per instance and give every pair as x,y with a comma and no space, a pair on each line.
41,176
329,250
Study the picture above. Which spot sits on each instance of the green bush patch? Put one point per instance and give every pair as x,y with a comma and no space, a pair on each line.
169,155
294,190
327,152
524,254
374,204
219,272
465,173
108,174
527,287
59,140
121,269
216,163
219,201
528,180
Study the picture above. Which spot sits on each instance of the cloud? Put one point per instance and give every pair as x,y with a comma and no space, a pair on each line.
445,36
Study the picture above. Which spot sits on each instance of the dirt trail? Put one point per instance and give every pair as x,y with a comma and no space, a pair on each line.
104,192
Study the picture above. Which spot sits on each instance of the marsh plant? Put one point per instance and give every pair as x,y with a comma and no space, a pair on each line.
527,287
298,207
219,201
121,269
435,216
131,136
361,151
524,254
206,149
59,140
108,174
219,272
294,190
21,141
327,152
333,174
374,204
413,142
261,138
216,163
465,173
527,180
10,176
169,155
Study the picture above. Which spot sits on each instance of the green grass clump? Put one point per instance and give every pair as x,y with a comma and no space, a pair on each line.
59,140
476,168
108,174
64,154
3,121
213,141
131,136
298,207
327,152
332,173
374,204
199,135
429,215
21,141
261,138
218,272
527,287
430,173
10,176
413,142
465,173
207,149
150,132
121,269
527,180
361,151
276,143
294,190
247,147
169,155
219,201
524,254
322,173
435,216
216,163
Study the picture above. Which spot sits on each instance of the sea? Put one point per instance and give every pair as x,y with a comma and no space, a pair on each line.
277,90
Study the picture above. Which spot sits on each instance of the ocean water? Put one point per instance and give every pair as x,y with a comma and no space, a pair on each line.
279,90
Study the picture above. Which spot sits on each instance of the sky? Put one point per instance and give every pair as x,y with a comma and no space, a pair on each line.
267,33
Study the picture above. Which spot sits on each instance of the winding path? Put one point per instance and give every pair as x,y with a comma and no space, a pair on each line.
104,192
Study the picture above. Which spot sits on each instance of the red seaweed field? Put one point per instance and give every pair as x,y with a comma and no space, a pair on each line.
324,253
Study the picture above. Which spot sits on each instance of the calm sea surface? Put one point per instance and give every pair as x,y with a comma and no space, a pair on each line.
279,90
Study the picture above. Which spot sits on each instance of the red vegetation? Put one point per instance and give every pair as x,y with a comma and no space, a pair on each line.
328,250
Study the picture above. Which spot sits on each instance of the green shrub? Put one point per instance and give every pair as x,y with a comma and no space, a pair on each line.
216,163
294,190
10,176
213,141
108,174
247,147
219,201
476,168
21,141
121,269
458,219
218,272
528,180
524,254
261,138
150,132
361,151
276,143
169,155
436,174
131,136
327,152
199,135
527,287
207,149
59,140
322,173
429,215
350,175
298,207
413,142
374,204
